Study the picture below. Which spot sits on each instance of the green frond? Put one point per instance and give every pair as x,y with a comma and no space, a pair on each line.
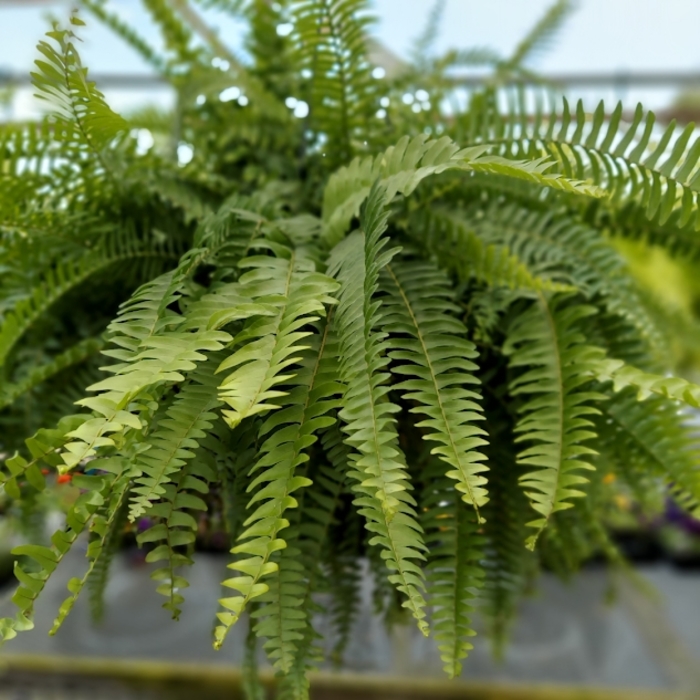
234,465
648,440
625,376
177,35
379,467
173,444
59,281
659,177
231,230
565,544
99,576
330,39
253,689
401,168
454,571
232,7
95,490
102,528
25,152
540,35
343,576
282,620
424,43
580,255
312,539
344,581
460,249
629,221
599,537
273,56
546,243
298,294
43,449
430,344
152,353
289,432
76,354
543,344
284,616
506,561
62,82
126,32
175,529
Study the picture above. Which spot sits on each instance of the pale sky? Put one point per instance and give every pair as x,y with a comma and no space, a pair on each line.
603,35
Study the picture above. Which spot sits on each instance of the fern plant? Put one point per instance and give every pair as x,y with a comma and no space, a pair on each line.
357,330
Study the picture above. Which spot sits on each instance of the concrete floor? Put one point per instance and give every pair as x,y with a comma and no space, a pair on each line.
565,634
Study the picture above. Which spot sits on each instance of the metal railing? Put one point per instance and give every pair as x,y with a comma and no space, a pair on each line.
660,79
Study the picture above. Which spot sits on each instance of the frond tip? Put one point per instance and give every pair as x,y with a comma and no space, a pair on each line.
61,80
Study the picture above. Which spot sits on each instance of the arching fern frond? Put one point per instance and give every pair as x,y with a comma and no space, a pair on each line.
99,576
33,577
59,281
299,293
538,37
647,436
403,166
126,32
300,564
152,352
301,412
436,358
544,342
284,615
625,376
506,561
62,81
460,249
580,254
313,540
175,529
73,356
454,571
342,580
174,442
378,465
43,449
177,36
660,177
102,532
329,36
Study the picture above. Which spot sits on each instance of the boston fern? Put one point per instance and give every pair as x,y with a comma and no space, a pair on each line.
352,329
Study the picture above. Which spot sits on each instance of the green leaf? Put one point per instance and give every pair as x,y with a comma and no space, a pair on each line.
543,344
61,80
403,166
454,571
378,465
270,344
431,349
303,410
